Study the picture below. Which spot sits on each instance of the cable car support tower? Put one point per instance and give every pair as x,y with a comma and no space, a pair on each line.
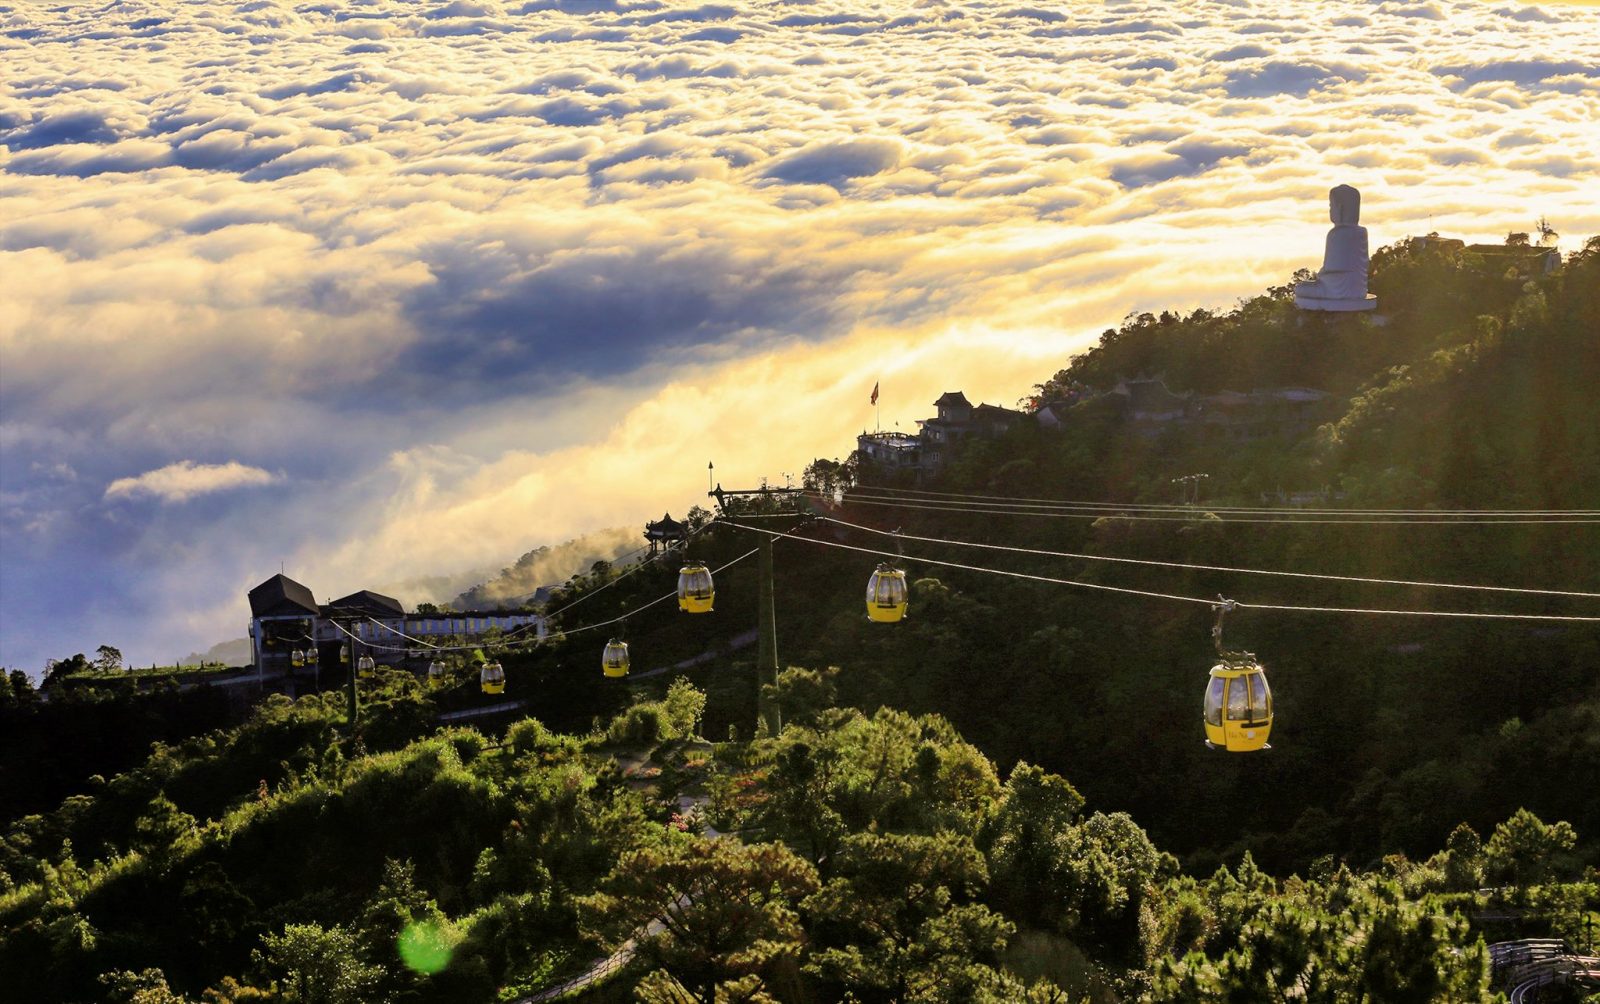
764,501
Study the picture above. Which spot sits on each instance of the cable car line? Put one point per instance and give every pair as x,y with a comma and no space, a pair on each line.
1216,568
1462,614
636,566
884,491
419,641
535,641
1195,514
1137,511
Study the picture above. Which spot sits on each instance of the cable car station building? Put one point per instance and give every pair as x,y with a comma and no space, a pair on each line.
285,618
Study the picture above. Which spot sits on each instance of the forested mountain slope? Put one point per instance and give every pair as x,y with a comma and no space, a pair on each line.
877,856
1004,797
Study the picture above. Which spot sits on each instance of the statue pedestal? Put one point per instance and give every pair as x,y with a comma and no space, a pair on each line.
1308,301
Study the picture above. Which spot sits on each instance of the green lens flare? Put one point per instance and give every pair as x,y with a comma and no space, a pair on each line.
425,947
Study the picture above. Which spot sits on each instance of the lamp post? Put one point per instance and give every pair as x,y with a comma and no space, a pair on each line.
1189,487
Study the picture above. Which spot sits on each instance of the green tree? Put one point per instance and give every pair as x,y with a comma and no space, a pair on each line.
804,694
17,690
1547,233
696,517
402,924
685,706
705,911
1524,850
1463,862
107,659
828,476
148,986
56,670
898,921
311,964
160,828
1034,807
659,987
1412,956
1101,874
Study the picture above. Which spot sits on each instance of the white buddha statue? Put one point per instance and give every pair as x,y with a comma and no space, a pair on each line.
1341,284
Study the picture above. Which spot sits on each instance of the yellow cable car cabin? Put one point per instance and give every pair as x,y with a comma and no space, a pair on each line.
695,590
297,658
1238,707
311,656
344,654
614,663
886,595
365,666
492,678
436,671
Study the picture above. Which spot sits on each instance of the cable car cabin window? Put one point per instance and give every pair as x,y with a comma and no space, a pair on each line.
1260,698
888,591
1214,700
1238,700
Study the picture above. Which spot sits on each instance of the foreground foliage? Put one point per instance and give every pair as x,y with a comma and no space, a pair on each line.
870,858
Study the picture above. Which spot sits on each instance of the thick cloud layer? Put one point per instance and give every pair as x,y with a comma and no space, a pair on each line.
385,290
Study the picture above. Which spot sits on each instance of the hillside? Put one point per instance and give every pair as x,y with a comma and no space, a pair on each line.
1003,798
1477,395
877,854
530,577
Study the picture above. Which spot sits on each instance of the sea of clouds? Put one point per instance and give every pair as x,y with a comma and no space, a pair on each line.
392,291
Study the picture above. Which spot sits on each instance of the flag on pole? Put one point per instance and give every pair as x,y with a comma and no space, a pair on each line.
874,393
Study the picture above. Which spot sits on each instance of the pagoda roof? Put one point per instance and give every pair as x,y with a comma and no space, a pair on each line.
952,398
666,526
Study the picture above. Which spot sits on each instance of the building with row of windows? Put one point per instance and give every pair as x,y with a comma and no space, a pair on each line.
285,618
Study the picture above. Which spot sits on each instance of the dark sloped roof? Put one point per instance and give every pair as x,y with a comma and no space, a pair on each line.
367,603
952,398
281,596
666,526
994,411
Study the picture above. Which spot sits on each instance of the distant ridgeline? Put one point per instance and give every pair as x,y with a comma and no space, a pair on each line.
533,576
1469,384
